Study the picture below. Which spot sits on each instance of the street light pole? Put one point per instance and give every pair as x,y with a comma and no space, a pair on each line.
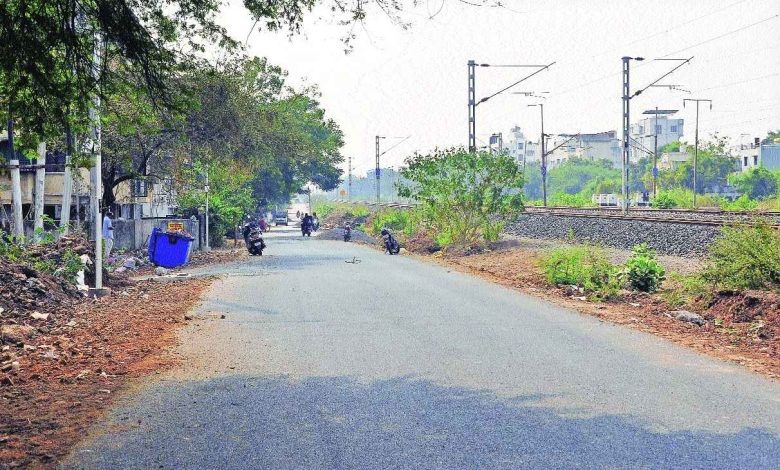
544,155
696,147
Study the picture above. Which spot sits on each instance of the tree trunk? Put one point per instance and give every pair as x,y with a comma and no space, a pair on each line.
16,185
40,188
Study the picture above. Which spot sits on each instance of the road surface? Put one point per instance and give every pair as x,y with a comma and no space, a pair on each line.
390,362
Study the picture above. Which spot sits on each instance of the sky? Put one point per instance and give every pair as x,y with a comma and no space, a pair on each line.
412,82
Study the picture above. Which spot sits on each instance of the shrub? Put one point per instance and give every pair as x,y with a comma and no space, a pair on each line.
642,271
585,266
664,201
745,257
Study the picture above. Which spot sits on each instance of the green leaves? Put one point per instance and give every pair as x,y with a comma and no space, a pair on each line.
745,257
465,197
642,272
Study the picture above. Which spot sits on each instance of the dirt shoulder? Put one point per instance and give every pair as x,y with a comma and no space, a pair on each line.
741,328
71,365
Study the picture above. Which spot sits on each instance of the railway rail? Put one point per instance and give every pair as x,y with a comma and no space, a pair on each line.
672,216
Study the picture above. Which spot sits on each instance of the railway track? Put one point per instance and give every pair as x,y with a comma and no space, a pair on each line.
673,216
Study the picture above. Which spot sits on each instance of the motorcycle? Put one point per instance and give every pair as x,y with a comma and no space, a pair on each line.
253,237
347,233
306,229
391,244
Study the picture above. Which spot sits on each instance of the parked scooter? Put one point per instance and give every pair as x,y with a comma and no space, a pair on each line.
347,233
391,244
253,238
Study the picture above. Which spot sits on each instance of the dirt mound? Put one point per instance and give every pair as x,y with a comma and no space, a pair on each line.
760,308
340,218
23,290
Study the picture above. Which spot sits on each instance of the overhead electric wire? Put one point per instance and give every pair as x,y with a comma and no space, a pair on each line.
706,41
741,81
668,30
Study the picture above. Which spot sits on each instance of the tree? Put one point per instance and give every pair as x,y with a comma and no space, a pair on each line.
772,137
465,197
757,183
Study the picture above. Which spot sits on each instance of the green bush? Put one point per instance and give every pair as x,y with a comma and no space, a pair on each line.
642,271
585,266
664,201
745,257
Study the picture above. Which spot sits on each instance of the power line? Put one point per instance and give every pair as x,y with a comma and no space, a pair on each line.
677,26
741,81
706,41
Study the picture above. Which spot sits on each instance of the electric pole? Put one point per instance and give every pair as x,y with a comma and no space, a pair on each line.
472,94
696,147
626,126
378,171
349,184
544,154
16,185
472,107
627,96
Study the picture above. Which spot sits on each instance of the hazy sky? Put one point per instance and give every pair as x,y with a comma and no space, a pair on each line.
413,82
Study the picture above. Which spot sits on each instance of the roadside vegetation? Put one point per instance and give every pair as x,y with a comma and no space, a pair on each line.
575,181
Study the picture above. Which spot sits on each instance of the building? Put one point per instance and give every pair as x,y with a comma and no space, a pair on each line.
523,148
757,154
134,199
643,133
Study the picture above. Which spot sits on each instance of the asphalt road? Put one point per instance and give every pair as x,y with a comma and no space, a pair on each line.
390,362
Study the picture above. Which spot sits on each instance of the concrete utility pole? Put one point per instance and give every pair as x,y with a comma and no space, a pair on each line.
696,147
16,185
96,173
40,189
655,153
67,184
207,190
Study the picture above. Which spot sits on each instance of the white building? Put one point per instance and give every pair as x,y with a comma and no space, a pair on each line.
523,148
755,154
644,132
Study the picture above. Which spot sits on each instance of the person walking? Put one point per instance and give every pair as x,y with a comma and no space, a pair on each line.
108,233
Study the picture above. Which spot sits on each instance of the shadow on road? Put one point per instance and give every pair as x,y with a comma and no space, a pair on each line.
245,422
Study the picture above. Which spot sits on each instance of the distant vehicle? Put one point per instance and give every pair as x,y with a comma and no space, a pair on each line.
281,219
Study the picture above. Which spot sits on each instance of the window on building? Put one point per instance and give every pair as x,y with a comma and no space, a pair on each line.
658,129
641,129
755,160
519,146
744,161
530,153
673,129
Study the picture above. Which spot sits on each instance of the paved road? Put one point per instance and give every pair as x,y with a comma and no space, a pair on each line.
395,363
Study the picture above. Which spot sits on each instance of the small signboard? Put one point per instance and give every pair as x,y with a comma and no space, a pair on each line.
378,172
175,226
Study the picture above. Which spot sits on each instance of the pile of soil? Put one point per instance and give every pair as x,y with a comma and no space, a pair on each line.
63,376
24,291
758,310
339,218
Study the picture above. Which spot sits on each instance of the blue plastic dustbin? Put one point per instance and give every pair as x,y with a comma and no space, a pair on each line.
169,249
